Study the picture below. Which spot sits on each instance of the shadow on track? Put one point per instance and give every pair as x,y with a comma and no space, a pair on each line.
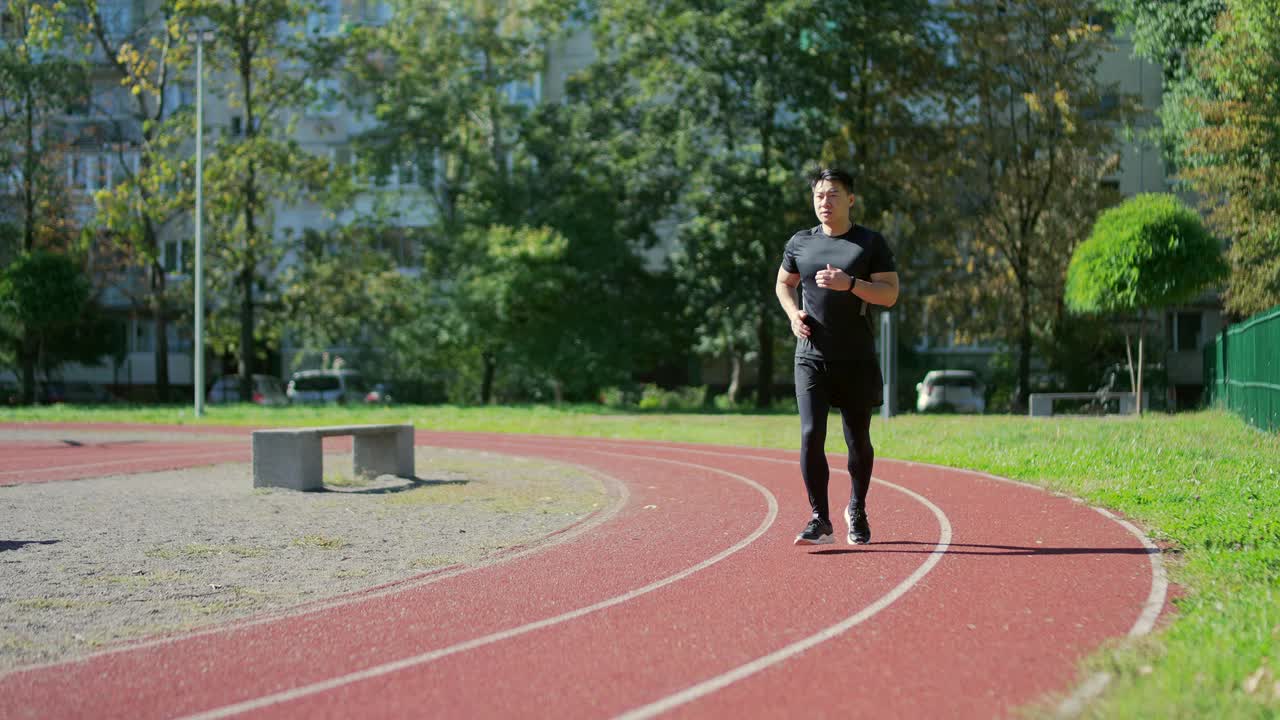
975,549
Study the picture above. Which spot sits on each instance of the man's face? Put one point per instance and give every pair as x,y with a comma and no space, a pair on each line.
831,202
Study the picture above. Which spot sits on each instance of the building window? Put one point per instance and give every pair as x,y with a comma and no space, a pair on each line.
172,256
525,93
1184,332
328,94
118,169
77,173
407,174
144,335
180,338
117,17
326,20
101,165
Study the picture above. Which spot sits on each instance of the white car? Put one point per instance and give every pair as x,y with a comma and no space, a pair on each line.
327,386
950,390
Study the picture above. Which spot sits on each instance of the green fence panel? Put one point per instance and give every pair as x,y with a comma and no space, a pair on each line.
1242,369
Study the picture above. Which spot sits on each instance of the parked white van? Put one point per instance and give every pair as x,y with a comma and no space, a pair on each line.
950,390
327,386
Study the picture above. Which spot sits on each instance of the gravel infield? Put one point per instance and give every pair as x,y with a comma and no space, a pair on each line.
88,564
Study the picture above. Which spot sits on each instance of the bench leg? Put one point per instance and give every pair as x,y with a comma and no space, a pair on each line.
288,460
384,454
1041,406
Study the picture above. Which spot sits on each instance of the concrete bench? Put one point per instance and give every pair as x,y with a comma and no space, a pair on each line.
291,457
1041,404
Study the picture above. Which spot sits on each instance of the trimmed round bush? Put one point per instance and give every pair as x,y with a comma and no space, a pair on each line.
1148,252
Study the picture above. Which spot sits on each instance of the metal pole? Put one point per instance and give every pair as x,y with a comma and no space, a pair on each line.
888,365
198,350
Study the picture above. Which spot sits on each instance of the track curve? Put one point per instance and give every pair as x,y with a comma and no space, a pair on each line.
978,595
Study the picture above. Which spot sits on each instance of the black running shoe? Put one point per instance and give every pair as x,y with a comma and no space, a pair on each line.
859,528
817,532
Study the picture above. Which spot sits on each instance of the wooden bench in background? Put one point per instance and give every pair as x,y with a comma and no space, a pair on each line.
291,457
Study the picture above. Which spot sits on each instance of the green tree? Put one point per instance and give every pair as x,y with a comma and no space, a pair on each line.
46,298
1232,156
501,304
460,115
1036,142
41,75
343,291
1150,252
603,191
1169,34
152,199
448,110
269,67
707,83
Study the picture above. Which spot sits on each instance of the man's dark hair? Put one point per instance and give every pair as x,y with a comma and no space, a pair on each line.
817,175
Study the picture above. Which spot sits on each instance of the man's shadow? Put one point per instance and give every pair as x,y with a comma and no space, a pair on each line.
19,544
914,547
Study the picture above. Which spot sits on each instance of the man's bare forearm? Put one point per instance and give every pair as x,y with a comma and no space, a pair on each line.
876,292
787,298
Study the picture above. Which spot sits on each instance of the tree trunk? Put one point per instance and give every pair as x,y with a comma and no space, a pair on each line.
1024,351
764,376
27,353
1142,331
735,376
27,344
486,385
764,329
159,312
246,334
1128,356
250,189
29,162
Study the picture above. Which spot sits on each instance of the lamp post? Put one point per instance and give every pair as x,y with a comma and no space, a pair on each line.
201,32
888,365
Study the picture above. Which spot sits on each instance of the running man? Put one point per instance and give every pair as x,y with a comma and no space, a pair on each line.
841,268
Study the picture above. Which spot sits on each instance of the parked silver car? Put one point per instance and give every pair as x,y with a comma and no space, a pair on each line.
327,386
950,390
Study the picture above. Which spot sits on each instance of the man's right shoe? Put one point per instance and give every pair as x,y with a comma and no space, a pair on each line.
859,529
817,532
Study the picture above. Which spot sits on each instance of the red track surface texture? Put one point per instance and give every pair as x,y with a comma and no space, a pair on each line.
685,597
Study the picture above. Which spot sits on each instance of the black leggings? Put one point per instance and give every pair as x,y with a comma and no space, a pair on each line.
815,404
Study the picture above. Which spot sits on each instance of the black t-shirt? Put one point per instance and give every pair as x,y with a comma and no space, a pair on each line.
839,324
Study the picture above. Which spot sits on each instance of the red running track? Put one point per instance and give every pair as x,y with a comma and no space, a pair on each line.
684,597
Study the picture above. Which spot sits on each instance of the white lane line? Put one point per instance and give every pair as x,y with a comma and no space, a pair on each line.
741,672
1094,686
405,663
623,494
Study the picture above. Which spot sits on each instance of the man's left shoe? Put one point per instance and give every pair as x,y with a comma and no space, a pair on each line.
859,529
817,532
